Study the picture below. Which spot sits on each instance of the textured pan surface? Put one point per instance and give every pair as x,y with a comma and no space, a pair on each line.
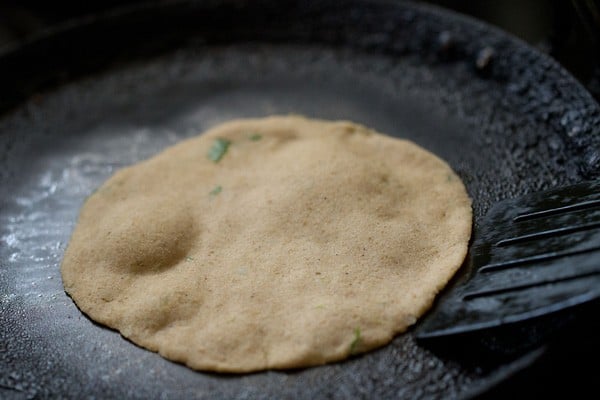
515,124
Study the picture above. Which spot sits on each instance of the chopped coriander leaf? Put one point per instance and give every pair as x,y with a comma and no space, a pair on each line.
218,149
255,137
216,190
356,340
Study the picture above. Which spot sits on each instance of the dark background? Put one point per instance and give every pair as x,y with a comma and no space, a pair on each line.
568,30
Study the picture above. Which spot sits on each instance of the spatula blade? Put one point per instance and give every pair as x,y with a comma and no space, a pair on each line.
531,256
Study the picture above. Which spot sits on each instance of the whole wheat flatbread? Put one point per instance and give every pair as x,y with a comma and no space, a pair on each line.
269,243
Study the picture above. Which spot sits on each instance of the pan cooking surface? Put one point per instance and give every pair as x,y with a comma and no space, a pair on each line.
59,146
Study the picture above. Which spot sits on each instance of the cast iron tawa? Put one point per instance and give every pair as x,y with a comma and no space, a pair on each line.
122,87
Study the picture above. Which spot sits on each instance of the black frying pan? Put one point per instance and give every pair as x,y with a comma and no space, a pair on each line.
86,99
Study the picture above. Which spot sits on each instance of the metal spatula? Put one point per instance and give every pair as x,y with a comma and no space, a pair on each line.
532,256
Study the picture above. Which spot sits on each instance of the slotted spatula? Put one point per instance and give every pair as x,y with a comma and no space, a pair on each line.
532,256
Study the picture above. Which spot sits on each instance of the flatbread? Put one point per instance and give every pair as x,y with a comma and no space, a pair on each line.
269,243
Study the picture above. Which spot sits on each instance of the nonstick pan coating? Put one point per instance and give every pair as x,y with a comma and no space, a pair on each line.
120,88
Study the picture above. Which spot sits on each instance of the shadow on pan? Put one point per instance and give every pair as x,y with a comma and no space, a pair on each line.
85,99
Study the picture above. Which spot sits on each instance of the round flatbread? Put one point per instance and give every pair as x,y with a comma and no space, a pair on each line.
269,243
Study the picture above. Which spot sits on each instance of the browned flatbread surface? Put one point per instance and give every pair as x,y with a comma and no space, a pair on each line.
269,243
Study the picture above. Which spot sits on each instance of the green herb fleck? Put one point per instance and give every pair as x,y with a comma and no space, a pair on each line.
216,190
188,258
450,178
356,340
320,306
218,149
255,137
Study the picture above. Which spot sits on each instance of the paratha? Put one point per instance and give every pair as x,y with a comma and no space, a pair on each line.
269,243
